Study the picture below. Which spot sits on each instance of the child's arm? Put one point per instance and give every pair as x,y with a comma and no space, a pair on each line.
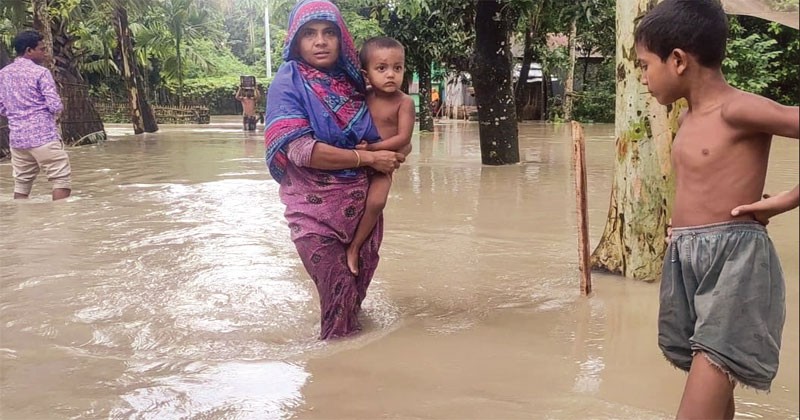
405,126
758,114
770,206
761,115
239,94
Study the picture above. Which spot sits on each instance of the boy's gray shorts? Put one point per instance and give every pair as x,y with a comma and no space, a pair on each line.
723,293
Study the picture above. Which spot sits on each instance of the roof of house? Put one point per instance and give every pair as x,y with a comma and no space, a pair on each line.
763,10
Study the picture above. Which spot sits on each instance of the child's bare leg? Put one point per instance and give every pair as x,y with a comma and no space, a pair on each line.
708,393
376,200
731,409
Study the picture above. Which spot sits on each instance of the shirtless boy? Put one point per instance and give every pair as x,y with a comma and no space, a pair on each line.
722,299
383,64
248,101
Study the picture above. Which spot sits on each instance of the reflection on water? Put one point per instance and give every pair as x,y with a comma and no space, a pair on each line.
167,287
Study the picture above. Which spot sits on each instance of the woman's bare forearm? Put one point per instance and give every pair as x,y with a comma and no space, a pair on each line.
327,157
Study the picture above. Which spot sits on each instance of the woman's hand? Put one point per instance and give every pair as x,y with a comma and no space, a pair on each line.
385,161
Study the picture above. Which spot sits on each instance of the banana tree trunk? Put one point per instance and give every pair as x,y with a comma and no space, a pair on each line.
492,80
633,241
141,114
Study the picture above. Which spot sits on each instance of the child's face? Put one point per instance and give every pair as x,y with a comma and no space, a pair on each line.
385,69
659,77
317,43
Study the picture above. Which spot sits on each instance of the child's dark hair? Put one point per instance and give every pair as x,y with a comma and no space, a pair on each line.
25,40
699,27
377,43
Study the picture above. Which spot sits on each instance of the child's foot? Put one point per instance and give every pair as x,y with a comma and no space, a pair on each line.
352,259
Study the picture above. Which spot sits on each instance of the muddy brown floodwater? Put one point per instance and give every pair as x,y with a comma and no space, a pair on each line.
167,288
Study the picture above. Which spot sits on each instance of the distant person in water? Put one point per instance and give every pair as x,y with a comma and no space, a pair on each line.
30,101
722,300
248,98
383,61
316,115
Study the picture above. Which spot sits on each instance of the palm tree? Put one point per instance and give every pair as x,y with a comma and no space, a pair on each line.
141,113
185,23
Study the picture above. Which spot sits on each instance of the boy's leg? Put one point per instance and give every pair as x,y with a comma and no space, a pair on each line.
731,409
708,393
377,195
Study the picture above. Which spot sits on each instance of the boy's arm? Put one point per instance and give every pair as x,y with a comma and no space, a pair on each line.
770,206
239,94
758,114
405,127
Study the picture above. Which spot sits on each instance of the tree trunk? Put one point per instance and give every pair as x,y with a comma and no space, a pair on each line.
492,80
523,90
585,68
547,87
5,56
407,79
180,66
141,114
424,117
633,241
527,57
569,84
41,21
80,122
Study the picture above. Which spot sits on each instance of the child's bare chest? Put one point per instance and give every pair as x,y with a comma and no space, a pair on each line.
699,142
384,114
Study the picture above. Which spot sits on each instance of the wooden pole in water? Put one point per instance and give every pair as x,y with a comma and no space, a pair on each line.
579,161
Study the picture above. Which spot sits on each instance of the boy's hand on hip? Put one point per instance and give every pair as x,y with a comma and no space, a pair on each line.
764,209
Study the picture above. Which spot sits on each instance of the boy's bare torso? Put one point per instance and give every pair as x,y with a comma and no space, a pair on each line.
718,166
385,110
248,106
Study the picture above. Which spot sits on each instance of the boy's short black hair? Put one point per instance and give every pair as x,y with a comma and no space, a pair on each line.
25,40
699,27
374,43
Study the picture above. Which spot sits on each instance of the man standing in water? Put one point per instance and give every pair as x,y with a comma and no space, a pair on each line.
30,101
248,98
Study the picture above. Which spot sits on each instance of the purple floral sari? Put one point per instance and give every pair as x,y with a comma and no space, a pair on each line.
307,105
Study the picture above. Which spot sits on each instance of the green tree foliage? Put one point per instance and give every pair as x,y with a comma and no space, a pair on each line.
205,45
762,58
750,63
